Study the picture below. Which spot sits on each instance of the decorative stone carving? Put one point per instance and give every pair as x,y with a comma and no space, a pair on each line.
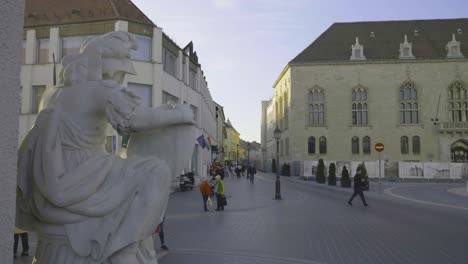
406,49
453,49
357,51
88,206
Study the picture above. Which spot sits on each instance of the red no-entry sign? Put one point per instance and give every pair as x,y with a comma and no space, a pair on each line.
379,147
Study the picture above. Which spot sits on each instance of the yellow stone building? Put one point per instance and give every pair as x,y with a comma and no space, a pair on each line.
400,83
233,150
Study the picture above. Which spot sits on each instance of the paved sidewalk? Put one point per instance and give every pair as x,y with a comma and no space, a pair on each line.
435,194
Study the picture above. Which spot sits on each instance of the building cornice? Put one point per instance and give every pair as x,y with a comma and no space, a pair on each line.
406,61
285,69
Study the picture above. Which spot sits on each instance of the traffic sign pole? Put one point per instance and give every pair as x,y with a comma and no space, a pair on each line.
380,177
379,147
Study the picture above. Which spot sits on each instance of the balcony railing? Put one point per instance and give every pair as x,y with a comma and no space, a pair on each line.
452,127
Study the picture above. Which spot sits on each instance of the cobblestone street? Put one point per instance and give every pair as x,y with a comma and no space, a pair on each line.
313,224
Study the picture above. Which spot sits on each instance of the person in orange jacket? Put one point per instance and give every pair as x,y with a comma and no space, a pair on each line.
205,191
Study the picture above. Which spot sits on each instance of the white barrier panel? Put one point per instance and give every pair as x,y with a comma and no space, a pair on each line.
436,170
458,171
411,170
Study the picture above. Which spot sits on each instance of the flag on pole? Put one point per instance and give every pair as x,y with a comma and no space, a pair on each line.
201,141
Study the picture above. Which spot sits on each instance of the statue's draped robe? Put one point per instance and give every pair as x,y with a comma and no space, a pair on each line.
69,184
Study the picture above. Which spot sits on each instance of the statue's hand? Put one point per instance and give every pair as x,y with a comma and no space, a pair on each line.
186,113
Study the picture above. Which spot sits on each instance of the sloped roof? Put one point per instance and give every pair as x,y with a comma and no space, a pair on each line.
428,43
58,12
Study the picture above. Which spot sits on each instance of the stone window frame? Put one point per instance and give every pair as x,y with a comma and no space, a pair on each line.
359,106
457,105
404,145
311,145
315,107
38,92
366,145
453,48
322,145
355,145
416,145
408,104
406,49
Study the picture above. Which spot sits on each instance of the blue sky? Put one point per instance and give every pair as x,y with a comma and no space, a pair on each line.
243,45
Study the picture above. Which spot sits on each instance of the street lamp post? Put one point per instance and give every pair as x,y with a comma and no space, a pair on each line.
277,136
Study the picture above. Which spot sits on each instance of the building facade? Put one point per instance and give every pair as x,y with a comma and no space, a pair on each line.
166,72
400,83
221,133
233,150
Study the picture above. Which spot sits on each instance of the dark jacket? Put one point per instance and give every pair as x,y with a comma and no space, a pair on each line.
358,182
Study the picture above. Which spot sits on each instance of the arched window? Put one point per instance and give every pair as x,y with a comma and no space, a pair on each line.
323,145
316,107
458,110
404,145
359,106
311,145
366,145
409,104
355,145
416,145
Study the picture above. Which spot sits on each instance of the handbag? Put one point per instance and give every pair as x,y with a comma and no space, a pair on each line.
209,202
224,200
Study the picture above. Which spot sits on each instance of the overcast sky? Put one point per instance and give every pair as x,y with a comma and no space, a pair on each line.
243,45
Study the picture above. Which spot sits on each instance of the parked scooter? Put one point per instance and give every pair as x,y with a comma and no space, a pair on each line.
186,181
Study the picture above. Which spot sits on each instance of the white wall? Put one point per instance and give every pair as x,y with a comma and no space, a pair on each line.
11,19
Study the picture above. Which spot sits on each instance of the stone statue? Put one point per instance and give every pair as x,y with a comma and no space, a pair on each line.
88,206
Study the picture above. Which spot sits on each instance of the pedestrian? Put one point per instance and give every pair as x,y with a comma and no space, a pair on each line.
24,242
253,171
205,191
358,187
220,198
161,234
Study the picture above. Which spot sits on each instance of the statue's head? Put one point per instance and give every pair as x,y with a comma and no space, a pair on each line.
109,55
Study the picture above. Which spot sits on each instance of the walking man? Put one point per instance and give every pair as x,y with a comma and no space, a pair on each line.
358,186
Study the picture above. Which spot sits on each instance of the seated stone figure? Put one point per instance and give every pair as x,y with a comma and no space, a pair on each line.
89,206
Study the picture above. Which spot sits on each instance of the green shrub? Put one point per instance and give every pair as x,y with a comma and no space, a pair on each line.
345,180
320,178
332,174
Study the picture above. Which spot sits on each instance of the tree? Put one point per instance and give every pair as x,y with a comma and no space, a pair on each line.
364,176
273,165
332,174
345,180
320,178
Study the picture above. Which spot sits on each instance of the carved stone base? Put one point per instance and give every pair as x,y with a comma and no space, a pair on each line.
55,249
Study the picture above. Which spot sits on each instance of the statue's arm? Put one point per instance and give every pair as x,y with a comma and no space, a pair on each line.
165,115
126,114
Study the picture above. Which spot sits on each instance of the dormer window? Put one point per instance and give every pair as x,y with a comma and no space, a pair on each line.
453,49
406,49
357,51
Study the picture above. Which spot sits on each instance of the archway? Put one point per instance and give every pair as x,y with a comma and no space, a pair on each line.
459,151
